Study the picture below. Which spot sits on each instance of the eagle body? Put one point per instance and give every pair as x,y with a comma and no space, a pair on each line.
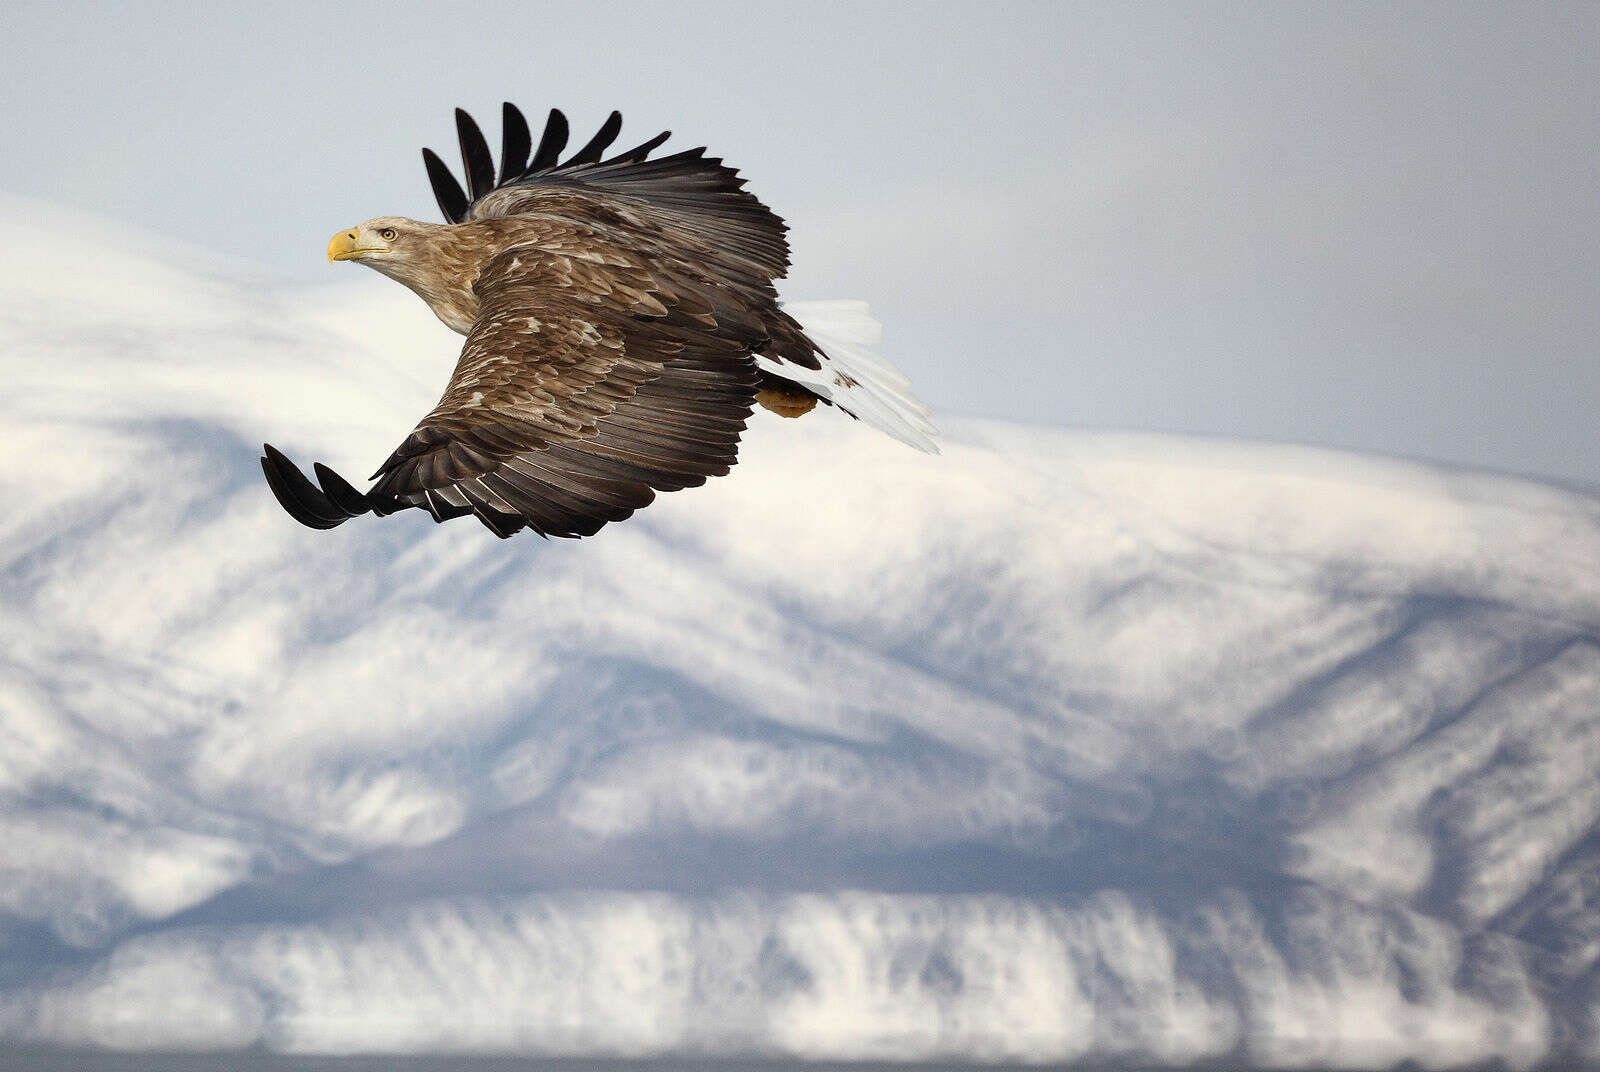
621,321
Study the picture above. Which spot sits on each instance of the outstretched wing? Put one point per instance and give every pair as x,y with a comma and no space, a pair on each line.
582,390
697,199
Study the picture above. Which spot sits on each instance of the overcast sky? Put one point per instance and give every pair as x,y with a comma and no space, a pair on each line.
1349,226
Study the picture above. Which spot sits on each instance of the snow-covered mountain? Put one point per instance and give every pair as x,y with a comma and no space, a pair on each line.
1057,746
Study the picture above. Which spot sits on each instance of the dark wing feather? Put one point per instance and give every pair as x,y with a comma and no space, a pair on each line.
551,142
697,198
642,151
572,405
446,190
334,503
338,490
304,501
475,158
515,142
590,153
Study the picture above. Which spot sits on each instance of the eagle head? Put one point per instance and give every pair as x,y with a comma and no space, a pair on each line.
437,262
384,240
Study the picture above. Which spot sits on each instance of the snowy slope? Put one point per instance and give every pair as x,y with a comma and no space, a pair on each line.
1057,746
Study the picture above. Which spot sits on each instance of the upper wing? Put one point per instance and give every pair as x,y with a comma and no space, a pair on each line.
583,388
695,198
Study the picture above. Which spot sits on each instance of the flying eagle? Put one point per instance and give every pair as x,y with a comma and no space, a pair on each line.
620,321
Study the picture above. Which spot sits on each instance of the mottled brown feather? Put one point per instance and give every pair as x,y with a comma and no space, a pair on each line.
595,355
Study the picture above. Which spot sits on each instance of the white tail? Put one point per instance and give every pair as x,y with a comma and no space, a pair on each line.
853,377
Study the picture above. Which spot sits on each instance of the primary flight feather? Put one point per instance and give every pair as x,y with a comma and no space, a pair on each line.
620,321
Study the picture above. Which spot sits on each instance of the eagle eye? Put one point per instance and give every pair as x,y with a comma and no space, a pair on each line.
388,234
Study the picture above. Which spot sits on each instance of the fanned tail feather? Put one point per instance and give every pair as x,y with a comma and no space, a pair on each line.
853,377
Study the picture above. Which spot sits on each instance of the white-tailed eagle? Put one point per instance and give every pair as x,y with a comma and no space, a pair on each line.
620,322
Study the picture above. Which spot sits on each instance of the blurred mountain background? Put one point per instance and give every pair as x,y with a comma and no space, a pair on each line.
1060,746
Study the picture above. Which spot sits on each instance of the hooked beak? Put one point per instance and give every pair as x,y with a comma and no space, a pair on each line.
345,246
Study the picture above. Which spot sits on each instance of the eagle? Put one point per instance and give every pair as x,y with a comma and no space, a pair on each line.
621,323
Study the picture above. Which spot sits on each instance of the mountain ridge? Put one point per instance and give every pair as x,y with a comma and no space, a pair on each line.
1061,746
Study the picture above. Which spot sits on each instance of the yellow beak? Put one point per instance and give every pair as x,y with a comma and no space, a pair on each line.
344,246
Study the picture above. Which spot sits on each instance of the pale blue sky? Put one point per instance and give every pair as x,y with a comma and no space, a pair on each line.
1350,226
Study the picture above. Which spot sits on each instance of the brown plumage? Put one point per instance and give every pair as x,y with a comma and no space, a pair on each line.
613,310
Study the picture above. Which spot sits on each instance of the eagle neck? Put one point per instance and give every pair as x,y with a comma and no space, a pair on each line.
443,275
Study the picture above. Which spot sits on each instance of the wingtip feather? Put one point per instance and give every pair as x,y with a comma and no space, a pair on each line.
447,191
476,161
551,142
590,153
303,500
516,140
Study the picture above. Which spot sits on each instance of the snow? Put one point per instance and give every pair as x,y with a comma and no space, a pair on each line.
1055,746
